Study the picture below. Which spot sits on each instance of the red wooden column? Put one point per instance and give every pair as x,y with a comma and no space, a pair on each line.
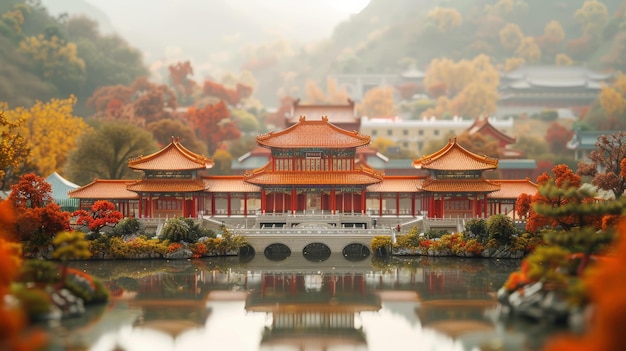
380,204
333,200
212,204
362,200
140,206
413,204
263,200
228,210
397,204
150,206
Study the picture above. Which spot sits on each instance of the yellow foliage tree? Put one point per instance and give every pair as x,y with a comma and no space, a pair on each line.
445,18
563,60
513,63
14,149
612,102
56,59
51,130
504,8
593,17
473,85
511,36
619,84
528,50
334,95
378,102
554,32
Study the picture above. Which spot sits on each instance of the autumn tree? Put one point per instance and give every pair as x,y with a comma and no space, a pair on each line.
223,160
511,36
332,95
213,125
557,137
532,146
51,130
445,19
563,60
506,8
165,129
101,214
609,156
480,144
38,217
612,101
16,333
57,61
593,17
14,149
378,102
104,152
179,75
528,50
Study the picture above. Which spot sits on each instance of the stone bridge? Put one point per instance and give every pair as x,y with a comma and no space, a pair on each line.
299,240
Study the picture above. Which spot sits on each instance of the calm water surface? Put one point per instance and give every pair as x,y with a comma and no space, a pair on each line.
258,304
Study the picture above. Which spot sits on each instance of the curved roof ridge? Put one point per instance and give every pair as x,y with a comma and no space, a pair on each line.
313,133
194,161
479,161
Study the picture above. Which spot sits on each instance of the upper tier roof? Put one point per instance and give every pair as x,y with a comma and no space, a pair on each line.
173,157
313,134
454,157
513,188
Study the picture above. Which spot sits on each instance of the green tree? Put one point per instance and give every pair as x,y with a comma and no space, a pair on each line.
501,229
104,152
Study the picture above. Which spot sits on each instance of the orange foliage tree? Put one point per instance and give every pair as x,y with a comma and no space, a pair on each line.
557,137
610,156
38,217
14,334
213,125
101,214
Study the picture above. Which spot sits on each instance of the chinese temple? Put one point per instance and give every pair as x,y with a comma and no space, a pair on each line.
312,167
456,186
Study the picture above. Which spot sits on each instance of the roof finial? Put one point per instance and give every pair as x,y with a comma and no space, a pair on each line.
302,118
325,118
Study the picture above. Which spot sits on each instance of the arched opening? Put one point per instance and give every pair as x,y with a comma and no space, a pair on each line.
316,252
277,252
246,253
355,252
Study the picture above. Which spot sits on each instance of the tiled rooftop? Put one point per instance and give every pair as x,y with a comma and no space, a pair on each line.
454,157
460,185
104,189
167,185
313,134
173,157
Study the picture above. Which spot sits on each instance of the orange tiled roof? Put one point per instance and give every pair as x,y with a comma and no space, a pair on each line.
319,133
173,157
482,125
361,176
454,157
397,185
460,185
512,188
104,189
226,184
167,185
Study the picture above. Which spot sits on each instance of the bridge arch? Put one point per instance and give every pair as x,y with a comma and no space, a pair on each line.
277,252
356,252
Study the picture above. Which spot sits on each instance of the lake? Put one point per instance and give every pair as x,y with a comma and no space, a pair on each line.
236,303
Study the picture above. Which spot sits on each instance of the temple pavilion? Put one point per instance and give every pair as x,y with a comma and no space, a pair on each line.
313,169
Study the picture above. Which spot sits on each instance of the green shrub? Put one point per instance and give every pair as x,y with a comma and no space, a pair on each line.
380,241
36,302
501,229
129,226
39,272
476,228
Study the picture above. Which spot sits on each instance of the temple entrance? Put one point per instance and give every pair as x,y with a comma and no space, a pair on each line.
313,200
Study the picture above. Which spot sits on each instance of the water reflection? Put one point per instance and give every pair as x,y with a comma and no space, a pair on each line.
298,304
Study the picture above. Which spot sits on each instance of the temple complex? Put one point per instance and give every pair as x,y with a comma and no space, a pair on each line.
313,176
